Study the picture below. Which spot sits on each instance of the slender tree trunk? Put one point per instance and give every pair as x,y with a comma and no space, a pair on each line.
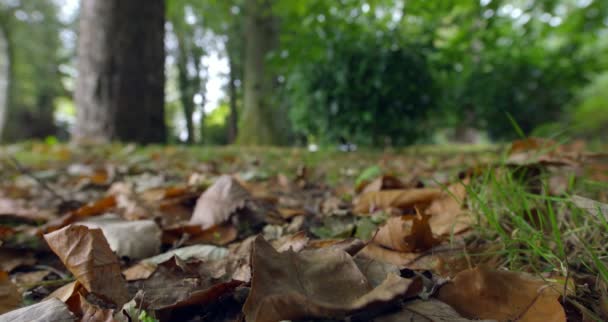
5,75
232,93
257,125
185,88
120,85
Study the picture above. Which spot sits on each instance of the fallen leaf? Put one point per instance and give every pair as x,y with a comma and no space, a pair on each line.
194,234
295,242
177,283
10,298
384,182
133,239
401,199
316,283
147,267
93,313
86,253
425,311
447,215
49,310
481,293
218,202
406,234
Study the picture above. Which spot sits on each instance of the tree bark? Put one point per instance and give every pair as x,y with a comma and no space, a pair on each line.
233,97
120,85
5,74
257,126
185,86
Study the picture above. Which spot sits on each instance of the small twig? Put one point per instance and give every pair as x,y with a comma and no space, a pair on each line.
48,283
53,270
42,183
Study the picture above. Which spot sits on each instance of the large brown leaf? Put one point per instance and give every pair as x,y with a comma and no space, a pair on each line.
10,298
217,203
481,293
402,199
86,253
316,283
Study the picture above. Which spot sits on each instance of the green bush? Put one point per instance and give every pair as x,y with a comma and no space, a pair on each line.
369,90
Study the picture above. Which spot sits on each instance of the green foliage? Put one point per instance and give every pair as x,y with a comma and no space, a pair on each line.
591,113
370,90
35,53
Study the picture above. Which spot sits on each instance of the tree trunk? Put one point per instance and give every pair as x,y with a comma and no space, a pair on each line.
5,75
185,86
257,126
120,85
233,96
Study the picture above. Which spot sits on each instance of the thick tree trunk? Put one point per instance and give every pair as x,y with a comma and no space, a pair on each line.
257,126
120,85
5,75
233,96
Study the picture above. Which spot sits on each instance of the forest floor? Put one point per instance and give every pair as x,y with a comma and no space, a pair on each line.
459,233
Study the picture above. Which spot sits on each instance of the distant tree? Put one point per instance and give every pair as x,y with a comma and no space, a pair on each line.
257,120
30,80
120,85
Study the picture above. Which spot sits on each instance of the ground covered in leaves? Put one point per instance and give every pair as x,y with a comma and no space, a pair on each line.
121,233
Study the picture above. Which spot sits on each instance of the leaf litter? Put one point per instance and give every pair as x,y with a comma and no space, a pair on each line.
165,235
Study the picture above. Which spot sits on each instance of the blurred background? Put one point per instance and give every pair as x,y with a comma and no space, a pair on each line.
278,72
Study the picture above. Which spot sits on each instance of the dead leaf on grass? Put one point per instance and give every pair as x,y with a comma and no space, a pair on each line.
177,283
194,234
218,202
401,199
447,215
481,293
86,253
147,267
316,283
406,234
10,298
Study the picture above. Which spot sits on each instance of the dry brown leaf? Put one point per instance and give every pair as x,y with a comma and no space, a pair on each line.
194,234
86,253
385,255
146,267
10,298
96,208
295,242
92,313
177,283
217,203
481,293
315,283
447,215
406,234
425,311
401,199
385,182
49,310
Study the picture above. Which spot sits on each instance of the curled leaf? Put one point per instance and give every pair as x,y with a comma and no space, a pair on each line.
86,253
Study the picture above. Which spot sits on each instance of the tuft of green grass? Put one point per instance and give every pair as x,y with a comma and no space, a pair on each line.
538,232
